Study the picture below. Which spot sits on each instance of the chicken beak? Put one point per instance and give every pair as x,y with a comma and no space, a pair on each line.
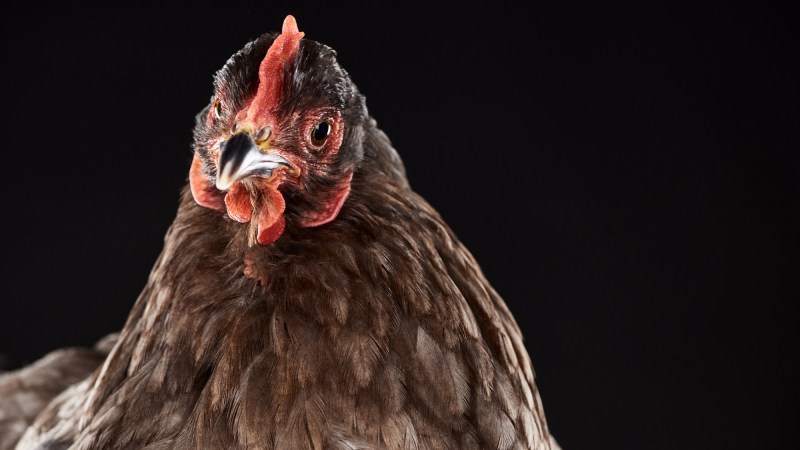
240,158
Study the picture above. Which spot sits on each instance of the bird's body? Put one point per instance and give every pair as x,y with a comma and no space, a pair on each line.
348,316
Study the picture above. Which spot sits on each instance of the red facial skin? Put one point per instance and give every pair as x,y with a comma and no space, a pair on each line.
261,197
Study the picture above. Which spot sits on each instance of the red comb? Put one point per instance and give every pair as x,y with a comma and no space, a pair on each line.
271,72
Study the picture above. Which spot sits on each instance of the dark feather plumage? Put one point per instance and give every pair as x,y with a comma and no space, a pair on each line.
376,330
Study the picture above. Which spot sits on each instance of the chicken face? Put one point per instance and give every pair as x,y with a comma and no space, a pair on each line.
283,126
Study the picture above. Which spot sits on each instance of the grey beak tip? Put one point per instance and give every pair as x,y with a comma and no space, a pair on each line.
222,186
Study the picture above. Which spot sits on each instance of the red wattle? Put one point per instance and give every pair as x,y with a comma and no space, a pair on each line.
237,200
271,222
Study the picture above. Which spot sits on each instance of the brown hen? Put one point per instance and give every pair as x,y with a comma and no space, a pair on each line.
305,297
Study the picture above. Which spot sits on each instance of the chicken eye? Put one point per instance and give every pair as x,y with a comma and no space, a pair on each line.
320,134
217,108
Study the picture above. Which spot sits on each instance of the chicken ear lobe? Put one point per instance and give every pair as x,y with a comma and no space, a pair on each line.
331,208
203,190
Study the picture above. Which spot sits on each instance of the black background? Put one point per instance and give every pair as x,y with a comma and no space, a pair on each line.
627,177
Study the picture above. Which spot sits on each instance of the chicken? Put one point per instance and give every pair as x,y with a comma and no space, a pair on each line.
305,297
